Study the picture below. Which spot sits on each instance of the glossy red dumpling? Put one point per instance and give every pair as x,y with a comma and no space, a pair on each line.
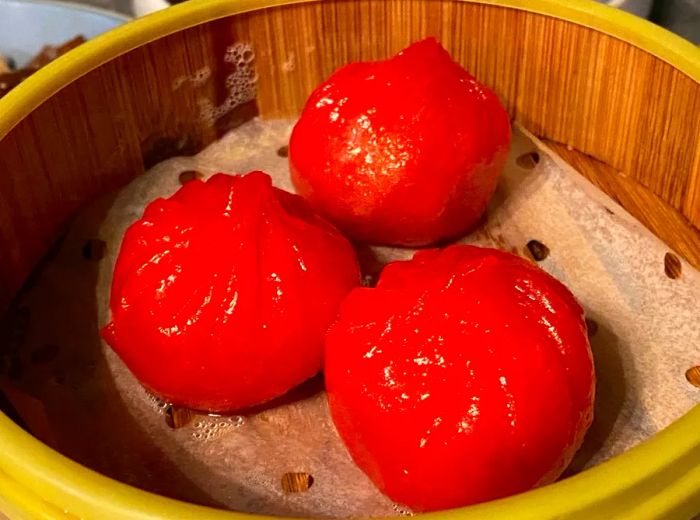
403,151
464,376
223,292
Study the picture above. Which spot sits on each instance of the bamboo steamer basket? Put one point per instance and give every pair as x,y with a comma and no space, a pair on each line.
618,97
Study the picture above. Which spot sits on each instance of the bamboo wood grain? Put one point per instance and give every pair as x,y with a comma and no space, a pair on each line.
565,82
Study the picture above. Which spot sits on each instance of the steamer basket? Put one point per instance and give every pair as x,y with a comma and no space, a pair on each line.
618,97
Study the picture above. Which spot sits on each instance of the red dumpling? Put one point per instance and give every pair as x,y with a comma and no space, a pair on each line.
465,375
404,151
223,292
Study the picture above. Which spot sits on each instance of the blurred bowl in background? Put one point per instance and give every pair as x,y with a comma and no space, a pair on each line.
27,25
639,7
144,7
680,16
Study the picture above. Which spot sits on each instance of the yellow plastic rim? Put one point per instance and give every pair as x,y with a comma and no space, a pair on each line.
658,479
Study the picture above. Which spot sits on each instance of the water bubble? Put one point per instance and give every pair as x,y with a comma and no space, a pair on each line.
236,420
197,79
200,77
158,404
241,83
401,510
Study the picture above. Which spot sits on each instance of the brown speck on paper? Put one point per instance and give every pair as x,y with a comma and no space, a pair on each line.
296,482
177,417
693,375
528,160
538,250
672,266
